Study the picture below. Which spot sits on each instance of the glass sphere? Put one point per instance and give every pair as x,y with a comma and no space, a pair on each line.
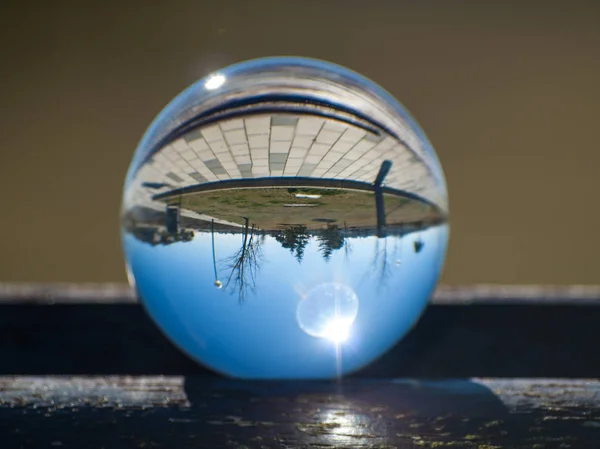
284,218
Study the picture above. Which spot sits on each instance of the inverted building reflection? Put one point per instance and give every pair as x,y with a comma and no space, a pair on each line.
325,220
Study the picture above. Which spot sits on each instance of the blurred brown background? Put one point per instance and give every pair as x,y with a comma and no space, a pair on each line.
508,93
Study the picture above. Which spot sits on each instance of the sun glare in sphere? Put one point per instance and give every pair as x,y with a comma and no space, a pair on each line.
337,330
327,311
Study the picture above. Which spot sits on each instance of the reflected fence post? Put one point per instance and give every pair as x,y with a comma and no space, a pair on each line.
173,218
379,203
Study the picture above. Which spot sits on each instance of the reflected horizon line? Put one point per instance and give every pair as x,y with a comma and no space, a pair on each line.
294,182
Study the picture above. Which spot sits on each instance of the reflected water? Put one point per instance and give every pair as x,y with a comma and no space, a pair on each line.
274,230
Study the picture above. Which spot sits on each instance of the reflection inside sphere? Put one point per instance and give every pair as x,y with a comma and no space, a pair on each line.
266,202
328,311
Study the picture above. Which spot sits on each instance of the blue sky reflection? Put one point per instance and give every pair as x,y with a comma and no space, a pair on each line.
260,337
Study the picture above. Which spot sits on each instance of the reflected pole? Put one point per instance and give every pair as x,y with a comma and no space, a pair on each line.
379,203
218,283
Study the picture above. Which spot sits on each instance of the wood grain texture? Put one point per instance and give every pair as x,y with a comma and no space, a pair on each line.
177,412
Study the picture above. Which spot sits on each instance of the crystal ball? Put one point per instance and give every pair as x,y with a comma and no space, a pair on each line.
284,218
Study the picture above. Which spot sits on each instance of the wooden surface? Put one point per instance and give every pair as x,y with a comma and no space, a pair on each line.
177,412
445,294
82,366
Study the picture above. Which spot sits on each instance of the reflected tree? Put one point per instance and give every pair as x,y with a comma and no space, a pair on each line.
381,261
294,238
418,245
155,236
347,245
156,228
183,235
330,239
244,264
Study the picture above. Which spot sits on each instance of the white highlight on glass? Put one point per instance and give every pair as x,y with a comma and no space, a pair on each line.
214,81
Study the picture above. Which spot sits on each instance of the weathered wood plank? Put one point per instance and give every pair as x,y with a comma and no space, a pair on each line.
60,293
469,339
182,412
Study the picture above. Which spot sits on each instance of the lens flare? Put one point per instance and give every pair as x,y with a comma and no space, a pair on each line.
337,330
328,311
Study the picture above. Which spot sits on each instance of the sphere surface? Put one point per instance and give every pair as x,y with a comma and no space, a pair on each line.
284,218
